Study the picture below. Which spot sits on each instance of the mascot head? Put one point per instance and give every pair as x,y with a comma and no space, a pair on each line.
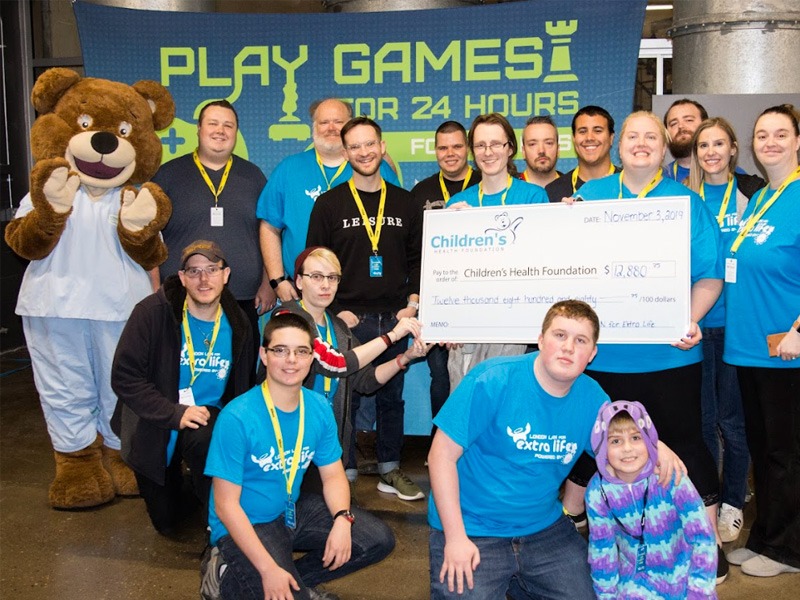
106,130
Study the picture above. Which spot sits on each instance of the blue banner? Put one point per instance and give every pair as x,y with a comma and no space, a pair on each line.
409,70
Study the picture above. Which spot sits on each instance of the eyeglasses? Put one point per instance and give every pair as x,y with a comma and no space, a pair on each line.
356,147
318,277
210,270
301,352
494,146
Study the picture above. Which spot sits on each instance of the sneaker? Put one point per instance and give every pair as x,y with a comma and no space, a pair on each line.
730,522
722,566
211,569
761,566
580,521
396,482
740,556
320,594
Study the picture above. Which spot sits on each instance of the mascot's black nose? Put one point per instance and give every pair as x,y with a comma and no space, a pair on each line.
104,142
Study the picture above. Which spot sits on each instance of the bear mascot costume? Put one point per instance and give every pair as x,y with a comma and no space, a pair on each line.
92,238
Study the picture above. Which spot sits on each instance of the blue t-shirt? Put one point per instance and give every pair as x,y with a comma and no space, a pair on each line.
713,195
292,188
519,445
520,192
706,262
766,296
244,451
213,370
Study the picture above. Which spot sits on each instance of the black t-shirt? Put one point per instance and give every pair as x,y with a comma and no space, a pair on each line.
428,192
336,223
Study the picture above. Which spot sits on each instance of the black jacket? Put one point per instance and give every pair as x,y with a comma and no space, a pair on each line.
146,374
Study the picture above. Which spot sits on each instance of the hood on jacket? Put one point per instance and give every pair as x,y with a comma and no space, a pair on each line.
599,438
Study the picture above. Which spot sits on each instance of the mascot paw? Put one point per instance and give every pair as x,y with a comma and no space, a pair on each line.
81,481
138,209
121,476
60,188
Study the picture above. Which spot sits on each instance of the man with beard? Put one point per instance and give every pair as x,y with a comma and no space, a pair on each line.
285,204
375,228
184,353
540,149
592,137
682,120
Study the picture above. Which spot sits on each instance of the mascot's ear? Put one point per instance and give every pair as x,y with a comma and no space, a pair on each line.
51,85
160,100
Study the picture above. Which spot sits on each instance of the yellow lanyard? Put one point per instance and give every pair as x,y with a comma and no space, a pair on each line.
373,234
190,346
298,446
675,171
725,199
647,189
445,193
328,184
575,177
758,213
329,339
502,198
207,179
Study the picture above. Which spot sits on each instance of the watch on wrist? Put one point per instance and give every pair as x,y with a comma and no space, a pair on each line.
346,514
273,283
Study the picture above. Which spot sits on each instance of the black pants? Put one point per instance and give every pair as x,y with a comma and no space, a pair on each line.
165,503
672,398
771,399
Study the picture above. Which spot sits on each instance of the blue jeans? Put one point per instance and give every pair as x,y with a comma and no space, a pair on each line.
389,403
440,378
550,564
372,541
723,414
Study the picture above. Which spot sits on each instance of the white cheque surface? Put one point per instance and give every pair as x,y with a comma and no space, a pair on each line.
490,274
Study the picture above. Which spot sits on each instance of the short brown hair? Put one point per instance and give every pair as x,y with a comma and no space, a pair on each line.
221,104
355,122
283,319
573,309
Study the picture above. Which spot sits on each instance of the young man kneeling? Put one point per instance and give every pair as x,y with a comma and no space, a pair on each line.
263,443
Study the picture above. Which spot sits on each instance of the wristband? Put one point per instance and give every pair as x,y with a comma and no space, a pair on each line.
273,283
399,364
386,340
346,514
796,325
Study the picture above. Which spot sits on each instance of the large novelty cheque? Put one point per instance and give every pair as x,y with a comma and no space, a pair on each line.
490,274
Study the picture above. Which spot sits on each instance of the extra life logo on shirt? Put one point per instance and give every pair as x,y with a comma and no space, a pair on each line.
270,461
544,446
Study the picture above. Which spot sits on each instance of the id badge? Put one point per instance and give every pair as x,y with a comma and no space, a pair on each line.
376,266
217,216
289,515
730,270
641,555
186,397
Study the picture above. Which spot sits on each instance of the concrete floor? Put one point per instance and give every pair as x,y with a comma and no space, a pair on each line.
113,552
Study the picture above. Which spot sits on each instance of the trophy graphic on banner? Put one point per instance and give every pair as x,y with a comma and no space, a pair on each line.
289,125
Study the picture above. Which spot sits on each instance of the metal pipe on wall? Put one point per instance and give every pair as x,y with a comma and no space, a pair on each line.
735,46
